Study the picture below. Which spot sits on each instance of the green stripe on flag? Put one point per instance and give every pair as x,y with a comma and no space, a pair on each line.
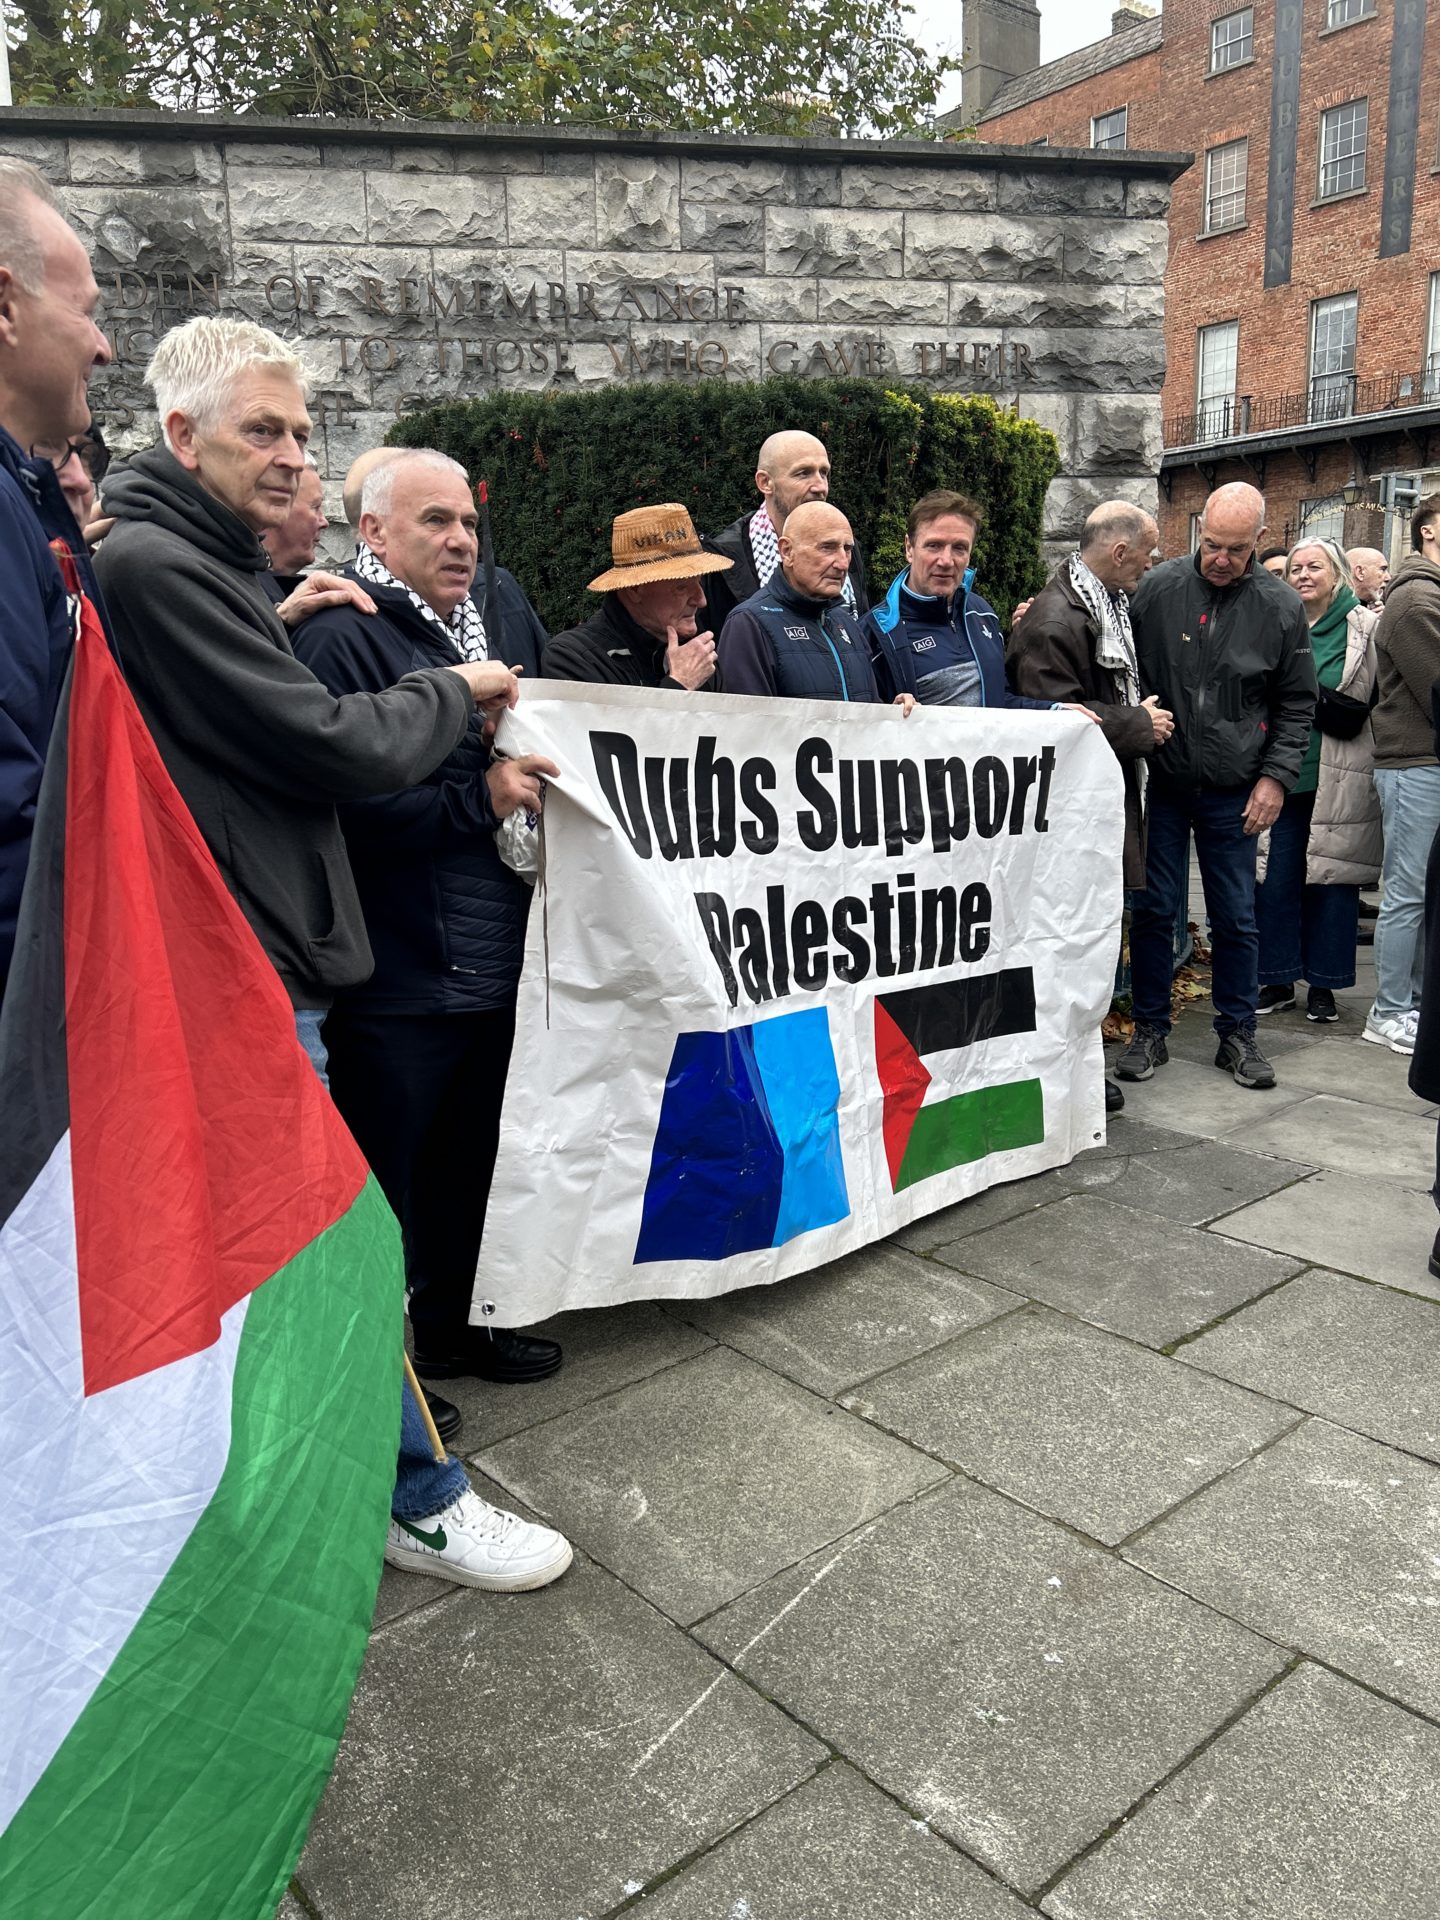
185,1788
969,1126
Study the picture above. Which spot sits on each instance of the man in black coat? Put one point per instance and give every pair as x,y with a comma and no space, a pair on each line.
419,1052
792,470
645,633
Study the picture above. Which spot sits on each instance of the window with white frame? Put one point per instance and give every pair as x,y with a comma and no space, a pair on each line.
1108,129
1232,40
1342,148
1217,355
1339,13
1432,342
1225,173
1332,357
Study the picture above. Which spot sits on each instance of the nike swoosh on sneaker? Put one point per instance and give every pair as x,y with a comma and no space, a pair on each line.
436,1539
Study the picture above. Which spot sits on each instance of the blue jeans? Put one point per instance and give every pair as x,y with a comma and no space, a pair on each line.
1410,808
1227,872
1306,933
423,1484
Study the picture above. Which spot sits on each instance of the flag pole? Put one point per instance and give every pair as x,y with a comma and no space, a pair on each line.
437,1446
487,559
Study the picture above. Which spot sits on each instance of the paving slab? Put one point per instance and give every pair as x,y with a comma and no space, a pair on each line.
698,1483
1361,1355
834,1849
1325,1131
1128,1271
1197,1098
1336,1220
605,1348
290,1909
1126,1137
1318,1805
1093,1430
1192,1184
1012,1685
983,1210
543,1756
401,1593
1327,1543
855,1317
1356,1069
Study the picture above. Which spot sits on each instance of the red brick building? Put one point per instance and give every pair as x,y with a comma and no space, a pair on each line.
1302,317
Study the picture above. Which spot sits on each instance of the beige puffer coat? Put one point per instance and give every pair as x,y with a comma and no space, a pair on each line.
1346,843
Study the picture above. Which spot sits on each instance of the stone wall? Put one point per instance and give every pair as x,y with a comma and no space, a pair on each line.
419,261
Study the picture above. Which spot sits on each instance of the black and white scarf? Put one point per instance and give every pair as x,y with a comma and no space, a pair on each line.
1115,649
465,630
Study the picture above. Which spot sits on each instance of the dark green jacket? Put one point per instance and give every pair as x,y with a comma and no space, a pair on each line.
1233,664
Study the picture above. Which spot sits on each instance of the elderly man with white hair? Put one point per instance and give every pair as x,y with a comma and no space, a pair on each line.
418,1052
262,751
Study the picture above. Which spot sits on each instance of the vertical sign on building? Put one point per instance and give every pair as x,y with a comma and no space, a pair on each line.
1284,118
1402,128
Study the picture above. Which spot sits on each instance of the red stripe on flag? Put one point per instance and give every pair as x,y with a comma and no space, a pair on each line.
903,1080
205,1151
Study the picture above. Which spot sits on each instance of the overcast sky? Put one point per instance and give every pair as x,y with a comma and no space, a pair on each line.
1064,25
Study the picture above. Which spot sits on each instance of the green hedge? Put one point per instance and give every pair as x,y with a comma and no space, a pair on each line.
561,466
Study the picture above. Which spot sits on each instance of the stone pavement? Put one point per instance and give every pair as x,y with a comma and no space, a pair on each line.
1078,1552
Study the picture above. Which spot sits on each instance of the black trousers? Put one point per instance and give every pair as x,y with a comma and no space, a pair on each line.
422,1095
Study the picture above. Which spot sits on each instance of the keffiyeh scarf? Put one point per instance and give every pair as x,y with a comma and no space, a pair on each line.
1115,649
465,630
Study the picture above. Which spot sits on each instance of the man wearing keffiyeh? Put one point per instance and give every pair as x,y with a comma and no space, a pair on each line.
1075,643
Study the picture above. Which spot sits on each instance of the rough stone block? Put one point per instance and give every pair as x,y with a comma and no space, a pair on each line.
1068,504
1077,1424
1119,434
690,1504
152,229
567,1752
724,229
827,244
1043,303
765,299
1304,1810
1145,306
1118,252
271,153
955,189
985,247
269,203
1013,1686
368,290
358,156
426,210
1326,1543
1147,199
1086,359
881,303
1362,1356
833,1849
1051,190
759,182
152,163
550,211
50,157
609,275
424,160
637,201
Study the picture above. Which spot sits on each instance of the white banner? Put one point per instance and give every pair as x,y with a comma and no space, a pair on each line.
796,974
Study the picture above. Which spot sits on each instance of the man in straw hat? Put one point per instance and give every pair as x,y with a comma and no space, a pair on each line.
644,634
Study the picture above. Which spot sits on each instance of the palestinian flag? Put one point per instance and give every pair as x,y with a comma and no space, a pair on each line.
200,1340
945,1100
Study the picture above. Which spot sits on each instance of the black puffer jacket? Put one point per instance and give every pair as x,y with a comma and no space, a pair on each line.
1234,666
613,650
445,915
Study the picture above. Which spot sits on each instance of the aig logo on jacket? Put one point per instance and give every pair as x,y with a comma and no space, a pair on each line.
796,633
927,643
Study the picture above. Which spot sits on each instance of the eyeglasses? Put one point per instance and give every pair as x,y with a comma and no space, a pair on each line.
94,457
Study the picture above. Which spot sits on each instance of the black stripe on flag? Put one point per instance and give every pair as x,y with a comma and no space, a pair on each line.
958,1013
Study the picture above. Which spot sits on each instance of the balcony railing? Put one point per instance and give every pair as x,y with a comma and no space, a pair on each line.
1333,396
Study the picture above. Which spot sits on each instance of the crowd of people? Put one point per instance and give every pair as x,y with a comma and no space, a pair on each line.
332,735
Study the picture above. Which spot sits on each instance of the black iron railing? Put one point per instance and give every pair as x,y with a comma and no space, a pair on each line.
1331,396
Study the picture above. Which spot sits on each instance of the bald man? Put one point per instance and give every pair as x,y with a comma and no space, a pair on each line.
1371,572
791,470
360,471
796,638
1226,647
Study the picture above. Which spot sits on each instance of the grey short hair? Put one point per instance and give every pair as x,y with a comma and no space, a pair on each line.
195,365
1339,562
377,496
21,188
1114,520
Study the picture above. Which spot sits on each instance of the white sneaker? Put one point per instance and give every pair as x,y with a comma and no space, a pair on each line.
477,1545
1390,1030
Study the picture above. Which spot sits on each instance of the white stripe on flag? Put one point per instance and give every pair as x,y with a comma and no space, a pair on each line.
101,1494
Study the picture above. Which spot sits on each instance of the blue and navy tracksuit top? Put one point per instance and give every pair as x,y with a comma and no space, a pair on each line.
945,652
780,642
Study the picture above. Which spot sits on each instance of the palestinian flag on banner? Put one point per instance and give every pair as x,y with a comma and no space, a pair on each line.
942,1107
200,1340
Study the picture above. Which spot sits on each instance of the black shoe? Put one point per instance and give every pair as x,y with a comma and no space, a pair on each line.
1276,999
1146,1051
1435,1257
1366,935
1320,1007
492,1353
1114,1098
1243,1060
1368,911
445,1414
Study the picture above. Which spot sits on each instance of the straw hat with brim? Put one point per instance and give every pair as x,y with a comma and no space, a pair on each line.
656,543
